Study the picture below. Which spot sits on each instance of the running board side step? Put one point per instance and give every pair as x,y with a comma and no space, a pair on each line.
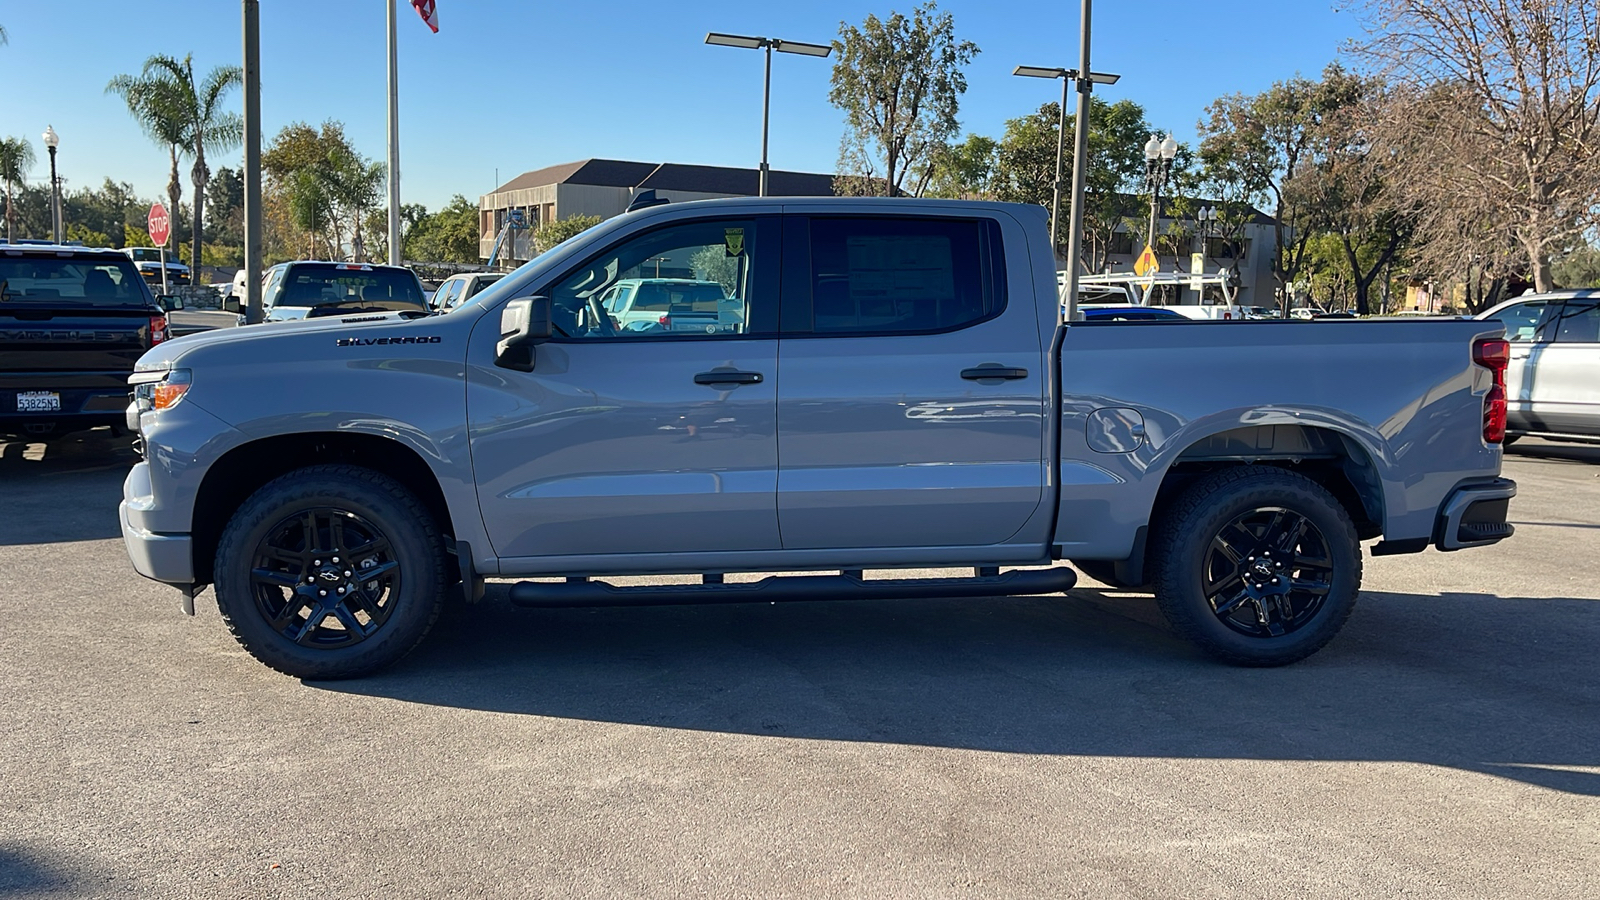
790,588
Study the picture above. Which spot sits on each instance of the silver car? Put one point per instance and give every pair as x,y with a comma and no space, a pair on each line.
1553,381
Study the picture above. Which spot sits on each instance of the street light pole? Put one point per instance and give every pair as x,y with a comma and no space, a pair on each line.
1068,77
252,162
51,139
766,110
768,44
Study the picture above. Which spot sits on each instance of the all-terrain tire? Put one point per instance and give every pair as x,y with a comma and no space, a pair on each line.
268,589
1233,512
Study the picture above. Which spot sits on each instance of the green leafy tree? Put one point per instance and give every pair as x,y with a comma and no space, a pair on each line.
552,233
311,208
16,158
377,223
225,205
77,231
963,171
1025,169
449,235
899,82
1269,142
106,209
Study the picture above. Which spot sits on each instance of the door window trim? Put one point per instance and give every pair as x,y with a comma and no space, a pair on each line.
766,252
797,303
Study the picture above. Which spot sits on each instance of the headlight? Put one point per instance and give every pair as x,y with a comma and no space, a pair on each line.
163,393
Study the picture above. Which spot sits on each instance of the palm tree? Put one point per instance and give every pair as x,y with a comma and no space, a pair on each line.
192,116
16,158
206,122
156,103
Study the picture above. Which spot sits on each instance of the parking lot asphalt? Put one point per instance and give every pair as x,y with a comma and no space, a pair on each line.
1446,745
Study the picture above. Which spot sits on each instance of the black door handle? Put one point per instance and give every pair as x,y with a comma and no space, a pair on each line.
1002,373
727,376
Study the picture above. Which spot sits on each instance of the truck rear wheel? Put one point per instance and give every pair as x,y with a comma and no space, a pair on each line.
1257,566
330,572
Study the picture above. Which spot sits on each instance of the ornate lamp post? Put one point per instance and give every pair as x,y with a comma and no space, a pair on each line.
1158,156
51,141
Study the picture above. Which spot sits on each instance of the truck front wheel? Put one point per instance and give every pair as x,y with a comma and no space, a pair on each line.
1257,566
330,572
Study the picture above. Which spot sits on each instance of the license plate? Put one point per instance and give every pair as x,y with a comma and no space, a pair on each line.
38,401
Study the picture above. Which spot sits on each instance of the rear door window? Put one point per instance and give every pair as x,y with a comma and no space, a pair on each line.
903,275
1579,322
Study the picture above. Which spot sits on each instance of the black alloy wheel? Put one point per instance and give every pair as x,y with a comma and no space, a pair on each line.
1268,572
325,578
1256,565
331,571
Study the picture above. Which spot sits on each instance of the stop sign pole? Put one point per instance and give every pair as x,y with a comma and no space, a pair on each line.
160,225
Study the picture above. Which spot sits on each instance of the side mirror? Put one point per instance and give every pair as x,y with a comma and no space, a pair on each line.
169,302
524,324
231,304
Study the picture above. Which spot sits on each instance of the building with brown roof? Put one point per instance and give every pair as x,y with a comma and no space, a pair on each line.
605,187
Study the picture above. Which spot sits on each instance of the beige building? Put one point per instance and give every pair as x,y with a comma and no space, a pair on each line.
605,187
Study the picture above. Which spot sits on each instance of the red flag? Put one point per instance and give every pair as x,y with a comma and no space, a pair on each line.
429,14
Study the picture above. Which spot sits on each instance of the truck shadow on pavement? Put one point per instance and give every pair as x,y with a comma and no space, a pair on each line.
36,477
1500,686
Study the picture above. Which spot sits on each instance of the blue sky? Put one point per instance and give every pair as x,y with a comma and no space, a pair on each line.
515,85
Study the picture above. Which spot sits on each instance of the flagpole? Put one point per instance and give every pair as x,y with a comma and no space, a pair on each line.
395,256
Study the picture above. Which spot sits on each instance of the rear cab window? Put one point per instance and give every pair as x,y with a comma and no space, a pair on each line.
341,288
71,281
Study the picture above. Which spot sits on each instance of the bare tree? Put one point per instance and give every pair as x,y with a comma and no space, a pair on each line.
1496,120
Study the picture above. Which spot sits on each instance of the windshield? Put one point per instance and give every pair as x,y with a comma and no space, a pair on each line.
100,281
349,288
145,254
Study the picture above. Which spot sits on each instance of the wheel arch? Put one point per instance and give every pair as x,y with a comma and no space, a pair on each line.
244,469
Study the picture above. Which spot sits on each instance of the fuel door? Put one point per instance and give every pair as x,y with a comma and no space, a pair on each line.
1115,430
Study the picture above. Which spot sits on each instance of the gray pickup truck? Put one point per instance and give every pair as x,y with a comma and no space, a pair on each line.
902,394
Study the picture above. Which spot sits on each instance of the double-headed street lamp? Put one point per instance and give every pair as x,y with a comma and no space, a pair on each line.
51,141
1158,156
1068,77
769,45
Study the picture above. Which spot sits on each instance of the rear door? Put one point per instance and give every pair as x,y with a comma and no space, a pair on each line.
911,402
626,441
1566,385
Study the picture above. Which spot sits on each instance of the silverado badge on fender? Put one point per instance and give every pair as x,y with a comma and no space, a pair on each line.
368,342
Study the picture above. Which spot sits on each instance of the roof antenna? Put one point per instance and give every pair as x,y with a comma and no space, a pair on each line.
645,199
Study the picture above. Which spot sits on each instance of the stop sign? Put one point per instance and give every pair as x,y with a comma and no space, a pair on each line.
160,224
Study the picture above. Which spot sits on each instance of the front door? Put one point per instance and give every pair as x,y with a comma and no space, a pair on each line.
1566,385
888,436
637,439
1527,328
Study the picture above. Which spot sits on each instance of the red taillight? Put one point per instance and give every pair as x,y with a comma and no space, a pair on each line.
158,329
1494,354
665,321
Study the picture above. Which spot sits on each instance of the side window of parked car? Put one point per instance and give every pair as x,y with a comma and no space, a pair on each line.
903,275
1579,322
1523,320
452,292
691,280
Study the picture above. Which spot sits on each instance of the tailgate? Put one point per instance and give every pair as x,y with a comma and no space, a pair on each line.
84,347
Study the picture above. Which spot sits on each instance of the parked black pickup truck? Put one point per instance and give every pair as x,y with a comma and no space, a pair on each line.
73,321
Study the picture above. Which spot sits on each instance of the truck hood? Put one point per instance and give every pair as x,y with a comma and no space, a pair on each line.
168,353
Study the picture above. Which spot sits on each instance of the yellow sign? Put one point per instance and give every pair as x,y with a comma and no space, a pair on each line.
733,239
1146,262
